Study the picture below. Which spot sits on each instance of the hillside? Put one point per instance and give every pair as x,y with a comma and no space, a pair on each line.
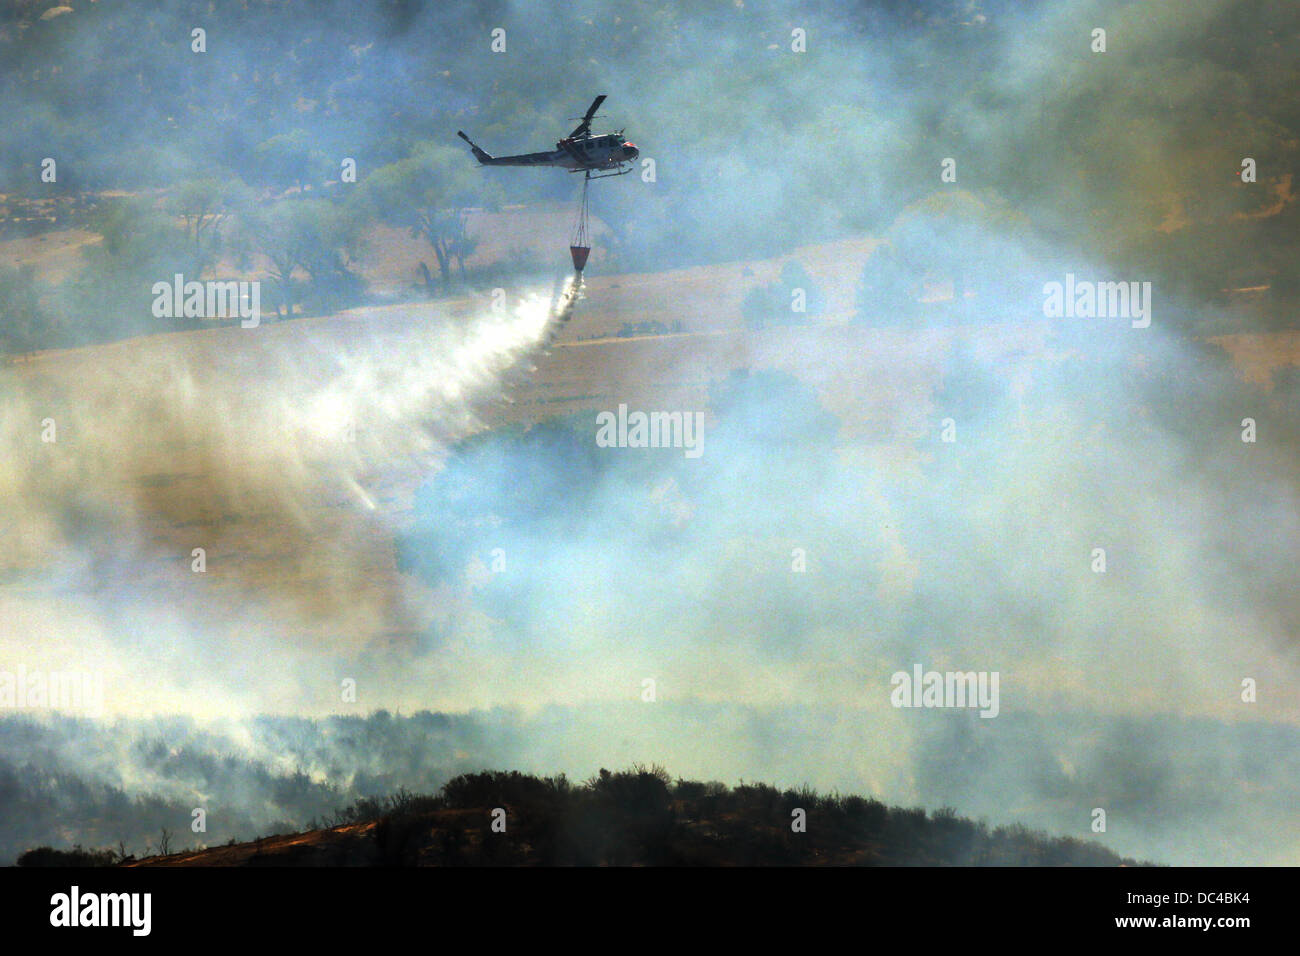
640,818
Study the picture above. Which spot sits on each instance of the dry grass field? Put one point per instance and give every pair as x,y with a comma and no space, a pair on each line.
228,438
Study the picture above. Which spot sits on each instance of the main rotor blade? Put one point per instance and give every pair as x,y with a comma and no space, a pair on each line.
586,119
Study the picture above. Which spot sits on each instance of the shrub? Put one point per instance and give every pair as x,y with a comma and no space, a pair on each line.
77,856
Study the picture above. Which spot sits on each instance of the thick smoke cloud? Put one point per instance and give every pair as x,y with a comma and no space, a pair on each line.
361,522
281,485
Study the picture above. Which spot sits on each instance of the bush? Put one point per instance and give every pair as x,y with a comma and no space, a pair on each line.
77,856
499,789
638,817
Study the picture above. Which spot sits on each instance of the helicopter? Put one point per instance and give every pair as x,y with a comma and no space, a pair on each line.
607,154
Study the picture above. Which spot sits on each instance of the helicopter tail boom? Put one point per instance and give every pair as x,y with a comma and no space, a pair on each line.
481,155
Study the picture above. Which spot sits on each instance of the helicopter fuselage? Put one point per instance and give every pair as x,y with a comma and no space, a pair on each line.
590,153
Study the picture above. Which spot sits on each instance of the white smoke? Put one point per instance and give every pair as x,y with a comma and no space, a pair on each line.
283,452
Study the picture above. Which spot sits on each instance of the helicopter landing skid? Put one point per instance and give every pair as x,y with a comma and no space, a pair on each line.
589,172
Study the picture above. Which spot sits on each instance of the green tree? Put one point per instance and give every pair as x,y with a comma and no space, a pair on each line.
316,237
111,296
431,193
290,159
204,205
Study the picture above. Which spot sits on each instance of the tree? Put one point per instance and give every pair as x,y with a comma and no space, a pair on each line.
288,159
203,205
111,297
431,194
130,229
314,236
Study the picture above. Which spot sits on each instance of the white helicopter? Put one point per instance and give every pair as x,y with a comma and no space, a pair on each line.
607,154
